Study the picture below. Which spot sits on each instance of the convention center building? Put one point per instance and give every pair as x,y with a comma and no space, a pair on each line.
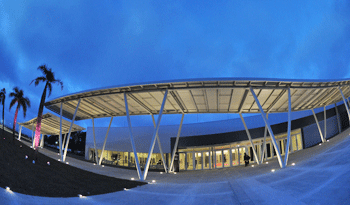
285,121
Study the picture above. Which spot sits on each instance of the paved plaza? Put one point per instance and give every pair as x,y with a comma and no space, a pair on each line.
321,175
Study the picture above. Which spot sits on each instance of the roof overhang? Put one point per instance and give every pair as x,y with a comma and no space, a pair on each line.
224,95
50,125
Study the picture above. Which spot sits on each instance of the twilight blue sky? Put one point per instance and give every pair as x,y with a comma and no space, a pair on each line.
91,44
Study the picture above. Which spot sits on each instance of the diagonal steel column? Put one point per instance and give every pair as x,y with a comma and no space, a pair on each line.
160,147
33,136
289,128
338,120
346,105
60,136
325,123
20,133
318,125
250,139
264,143
176,143
269,129
154,135
93,134
132,139
70,129
104,143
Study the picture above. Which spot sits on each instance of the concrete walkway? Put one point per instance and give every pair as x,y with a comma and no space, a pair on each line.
321,175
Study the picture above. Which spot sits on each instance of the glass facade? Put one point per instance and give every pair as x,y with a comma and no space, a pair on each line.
229,155
209,157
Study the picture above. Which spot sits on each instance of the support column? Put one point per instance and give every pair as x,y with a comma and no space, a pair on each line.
33,136
42,141
338,119
176,143
318,125
289,128
250,139
154,135
60,136
264,143
269,129
20,133
132,139
346,105
160,147
325,123
70,129
93,134
104,143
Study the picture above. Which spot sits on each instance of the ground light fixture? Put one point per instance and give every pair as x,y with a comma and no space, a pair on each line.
103,165
125,189
81,196
67,162
327,140
161,172
293,164
252,165
267,162
48,163
132,178
320,144
26,156
8,188
273,170
59,160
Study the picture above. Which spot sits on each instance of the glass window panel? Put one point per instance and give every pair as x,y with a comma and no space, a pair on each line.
241,155
182,160
218,159
226,158
235,157
294,143
198,160
206,160
189,161
300,142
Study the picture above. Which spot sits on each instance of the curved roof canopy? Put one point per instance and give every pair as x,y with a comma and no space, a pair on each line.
50,125
223,95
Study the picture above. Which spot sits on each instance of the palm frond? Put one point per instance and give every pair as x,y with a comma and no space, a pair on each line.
49,87
13,101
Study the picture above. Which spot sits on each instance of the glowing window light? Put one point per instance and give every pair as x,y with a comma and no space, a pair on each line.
132,178
272,170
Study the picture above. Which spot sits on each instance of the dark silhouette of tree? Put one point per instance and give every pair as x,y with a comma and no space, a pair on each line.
21,101
2,100
48,78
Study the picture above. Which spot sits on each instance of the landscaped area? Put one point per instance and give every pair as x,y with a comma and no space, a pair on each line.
48,177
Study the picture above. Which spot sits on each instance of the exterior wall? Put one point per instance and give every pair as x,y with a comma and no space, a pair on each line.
307,124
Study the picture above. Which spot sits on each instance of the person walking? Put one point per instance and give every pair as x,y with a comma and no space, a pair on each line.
246,159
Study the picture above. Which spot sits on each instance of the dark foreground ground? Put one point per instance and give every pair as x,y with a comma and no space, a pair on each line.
54,180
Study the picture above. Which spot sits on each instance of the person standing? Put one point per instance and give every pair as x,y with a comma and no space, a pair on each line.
246,159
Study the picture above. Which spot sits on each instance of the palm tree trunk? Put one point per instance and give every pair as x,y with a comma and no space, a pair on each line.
14,124
3,118
40,114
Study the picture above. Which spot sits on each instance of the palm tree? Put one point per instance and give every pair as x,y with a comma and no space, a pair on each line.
49,79
2,100
21,102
